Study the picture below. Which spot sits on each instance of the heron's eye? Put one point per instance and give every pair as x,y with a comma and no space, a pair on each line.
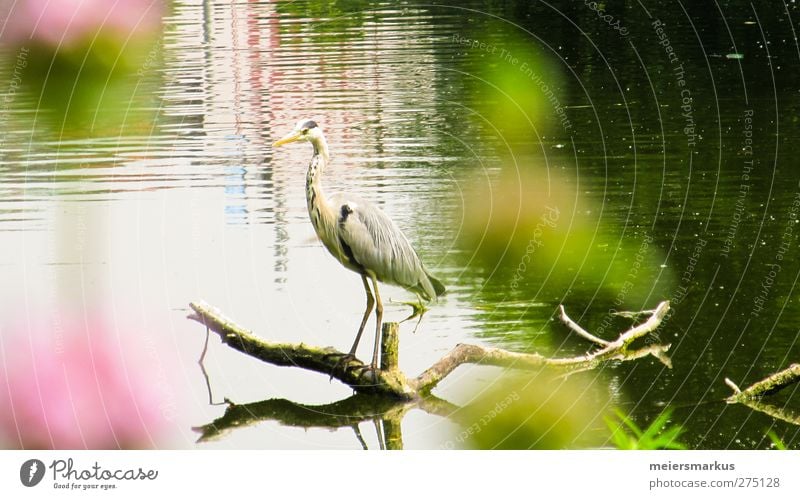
305,131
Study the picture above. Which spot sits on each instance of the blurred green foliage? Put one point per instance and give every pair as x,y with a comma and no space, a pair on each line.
660,434
777,441
90,83
83,60
539,412
513,86
539,225
536,235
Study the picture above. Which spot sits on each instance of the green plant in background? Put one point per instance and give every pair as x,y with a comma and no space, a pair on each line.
776,440
661,434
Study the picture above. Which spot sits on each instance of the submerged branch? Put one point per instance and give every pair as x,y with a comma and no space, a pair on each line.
753,395
767,386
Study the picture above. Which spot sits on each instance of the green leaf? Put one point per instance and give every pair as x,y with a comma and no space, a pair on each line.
658,435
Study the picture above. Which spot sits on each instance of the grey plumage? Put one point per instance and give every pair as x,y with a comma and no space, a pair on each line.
378,245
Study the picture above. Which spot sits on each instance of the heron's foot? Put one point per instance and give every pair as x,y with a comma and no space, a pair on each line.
344,362
418,310
368,370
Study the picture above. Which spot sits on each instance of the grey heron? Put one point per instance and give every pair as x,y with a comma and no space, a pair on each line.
361,237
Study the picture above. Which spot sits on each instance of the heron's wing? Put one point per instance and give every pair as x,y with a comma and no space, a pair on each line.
374,242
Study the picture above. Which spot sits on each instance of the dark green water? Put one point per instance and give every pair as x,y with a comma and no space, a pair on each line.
666,135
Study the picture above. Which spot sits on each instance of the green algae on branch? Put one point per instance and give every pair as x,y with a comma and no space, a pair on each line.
391,382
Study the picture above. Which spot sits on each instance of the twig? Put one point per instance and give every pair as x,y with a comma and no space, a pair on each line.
202,362
632,315
579,330
644,328
733,386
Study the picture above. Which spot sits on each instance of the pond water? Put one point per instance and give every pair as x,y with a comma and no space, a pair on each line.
675,126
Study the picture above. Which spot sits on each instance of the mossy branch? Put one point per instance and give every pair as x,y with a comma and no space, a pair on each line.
767,386
753,395
390,381
325,360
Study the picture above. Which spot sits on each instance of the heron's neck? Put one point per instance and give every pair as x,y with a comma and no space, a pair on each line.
318,163
321,148
317,202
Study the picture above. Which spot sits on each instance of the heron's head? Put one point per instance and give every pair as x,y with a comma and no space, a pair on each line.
304,130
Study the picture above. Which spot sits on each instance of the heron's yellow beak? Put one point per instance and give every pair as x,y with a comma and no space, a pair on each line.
292,137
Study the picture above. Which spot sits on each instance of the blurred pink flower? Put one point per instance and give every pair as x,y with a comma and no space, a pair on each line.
77,392
63,22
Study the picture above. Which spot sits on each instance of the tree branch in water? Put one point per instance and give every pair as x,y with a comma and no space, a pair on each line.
390,381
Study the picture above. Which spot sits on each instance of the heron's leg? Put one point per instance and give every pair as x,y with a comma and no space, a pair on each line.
345,359
370,303
378,320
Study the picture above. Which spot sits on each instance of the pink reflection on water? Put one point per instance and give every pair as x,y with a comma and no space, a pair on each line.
73,391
